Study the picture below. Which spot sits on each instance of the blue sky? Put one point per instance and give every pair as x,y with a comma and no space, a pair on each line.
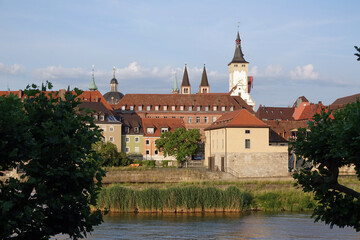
294,48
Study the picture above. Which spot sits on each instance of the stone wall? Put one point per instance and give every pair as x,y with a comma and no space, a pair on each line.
244,165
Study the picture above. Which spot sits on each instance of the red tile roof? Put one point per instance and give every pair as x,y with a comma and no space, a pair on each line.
340,102
283,128
158,123
237,119
310,110
186,100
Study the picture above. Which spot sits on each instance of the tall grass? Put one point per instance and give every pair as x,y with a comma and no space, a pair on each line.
177,199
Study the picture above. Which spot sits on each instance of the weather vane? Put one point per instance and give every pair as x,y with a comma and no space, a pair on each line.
238,25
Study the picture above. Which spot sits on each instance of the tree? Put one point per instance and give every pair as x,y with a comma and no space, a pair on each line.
47,137
110,155
181,143
357,54
333,142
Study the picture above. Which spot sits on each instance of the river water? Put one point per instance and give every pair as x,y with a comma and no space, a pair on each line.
257,225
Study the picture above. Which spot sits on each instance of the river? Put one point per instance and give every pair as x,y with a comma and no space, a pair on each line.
256,225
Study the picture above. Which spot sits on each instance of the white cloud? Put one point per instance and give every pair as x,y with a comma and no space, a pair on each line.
273,71
57,72
254,71
304,72
13,69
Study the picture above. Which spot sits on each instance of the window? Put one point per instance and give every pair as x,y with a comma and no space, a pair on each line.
150,130
206,108
165,117
111,139
104,129
137,149
182,117
147,152
123,108
181,108
140,108
190,108
206,119
157,117
127,150
102,117
164,130
136,139
214,108
197,119
173,108
136,129
165,108
247,131
156,108
173,117
189,119
186,90
156,152
127,130
247,143
222,108
131,108
111,128
95,117
104,139
148,108
198,108
214,119
231,108
127,139
147,141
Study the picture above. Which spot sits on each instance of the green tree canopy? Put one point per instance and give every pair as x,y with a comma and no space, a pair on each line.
47,137
181,143
110,155
333,142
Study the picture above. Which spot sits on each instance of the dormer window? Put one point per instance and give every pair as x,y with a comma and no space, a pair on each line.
164,130
173,108
231,108
136,130
102,117
131,108
148,108
223,108
165,108
181,108
214,108
206,108
150,130
156,108
140,108
123,108
127,130
95,117
198,108
190,108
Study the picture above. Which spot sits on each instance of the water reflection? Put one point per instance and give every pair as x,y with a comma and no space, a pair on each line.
216,226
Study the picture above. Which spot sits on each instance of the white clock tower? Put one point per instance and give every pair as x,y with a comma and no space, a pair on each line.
239,82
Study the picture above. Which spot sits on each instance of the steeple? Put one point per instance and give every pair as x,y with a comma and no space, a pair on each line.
114,83
238,55
185,85
93,86
176,88
204,85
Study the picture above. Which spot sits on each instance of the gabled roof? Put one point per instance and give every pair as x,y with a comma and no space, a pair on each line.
204,79
99,109
185,81
284,127
177,100
340,102
237,119
310,110
275,113
300,100
158,123
131,120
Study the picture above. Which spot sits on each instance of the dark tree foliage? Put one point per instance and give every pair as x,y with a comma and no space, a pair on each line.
357,54
333,142
47,137
181,143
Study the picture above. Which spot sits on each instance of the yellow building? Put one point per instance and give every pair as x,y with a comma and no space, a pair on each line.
241,144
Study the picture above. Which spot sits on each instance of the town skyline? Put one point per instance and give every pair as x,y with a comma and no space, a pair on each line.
293,48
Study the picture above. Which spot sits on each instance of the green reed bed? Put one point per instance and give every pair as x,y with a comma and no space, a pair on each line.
175,199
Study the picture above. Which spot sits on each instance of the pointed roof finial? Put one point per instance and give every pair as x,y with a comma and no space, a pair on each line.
238,55
114,71
92,86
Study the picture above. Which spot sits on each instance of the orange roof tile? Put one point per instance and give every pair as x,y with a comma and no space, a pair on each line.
240,118
158,123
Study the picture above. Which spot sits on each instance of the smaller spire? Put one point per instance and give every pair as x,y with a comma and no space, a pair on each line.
204,79
93,86
176,88
185,81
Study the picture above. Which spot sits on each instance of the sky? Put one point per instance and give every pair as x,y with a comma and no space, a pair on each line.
294,48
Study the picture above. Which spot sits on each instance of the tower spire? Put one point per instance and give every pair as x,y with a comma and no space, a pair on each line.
204,85
176,88
185,85
238,55
92,86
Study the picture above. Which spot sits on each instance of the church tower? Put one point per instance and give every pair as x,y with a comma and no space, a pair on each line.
185,85
92,86
239,82
204,85
175,89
